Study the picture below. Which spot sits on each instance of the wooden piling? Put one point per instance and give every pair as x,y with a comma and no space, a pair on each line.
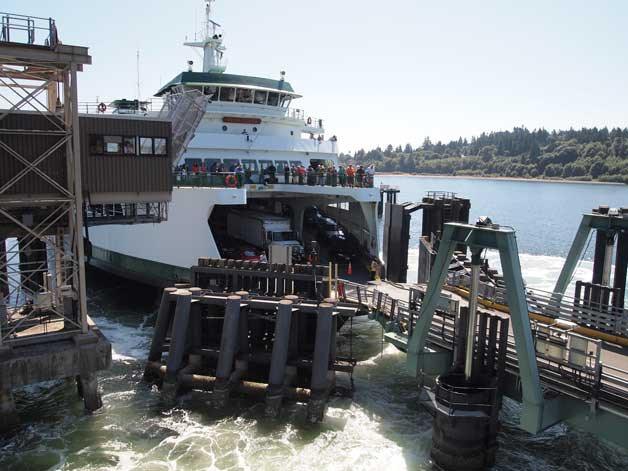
161,328
320,383
279,358
178,341
228,345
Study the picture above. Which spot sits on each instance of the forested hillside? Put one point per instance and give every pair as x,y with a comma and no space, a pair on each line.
586,154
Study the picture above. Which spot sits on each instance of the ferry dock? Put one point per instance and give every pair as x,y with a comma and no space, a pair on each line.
51,189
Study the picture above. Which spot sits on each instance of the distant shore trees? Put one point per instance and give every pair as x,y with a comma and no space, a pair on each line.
586,154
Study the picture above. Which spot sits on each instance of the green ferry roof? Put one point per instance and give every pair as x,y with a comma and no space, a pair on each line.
208,78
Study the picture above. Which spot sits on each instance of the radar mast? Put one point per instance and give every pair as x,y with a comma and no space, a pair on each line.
213,48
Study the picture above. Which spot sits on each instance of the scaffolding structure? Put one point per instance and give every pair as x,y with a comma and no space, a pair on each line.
42,272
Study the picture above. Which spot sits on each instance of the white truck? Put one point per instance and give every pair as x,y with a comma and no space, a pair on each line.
263,230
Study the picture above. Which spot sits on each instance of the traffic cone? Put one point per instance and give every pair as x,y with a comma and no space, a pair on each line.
349,269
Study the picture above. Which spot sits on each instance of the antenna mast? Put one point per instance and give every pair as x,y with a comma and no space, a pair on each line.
139,96
213,49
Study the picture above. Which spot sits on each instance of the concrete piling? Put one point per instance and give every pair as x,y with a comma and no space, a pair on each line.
87,385
228,345
320,383
178,342
279,358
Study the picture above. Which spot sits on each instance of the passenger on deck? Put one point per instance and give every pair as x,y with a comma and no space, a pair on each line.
203,168
286,174
350,175
301,173
272,171
342,175
311,175
321,175
359,173
370,175
294,175
194,168
213,168
239,171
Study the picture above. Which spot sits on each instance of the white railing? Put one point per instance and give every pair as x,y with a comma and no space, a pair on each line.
106,107
309,121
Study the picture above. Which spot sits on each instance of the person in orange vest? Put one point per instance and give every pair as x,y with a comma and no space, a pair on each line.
350,175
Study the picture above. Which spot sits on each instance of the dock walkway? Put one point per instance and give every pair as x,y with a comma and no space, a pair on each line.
601,376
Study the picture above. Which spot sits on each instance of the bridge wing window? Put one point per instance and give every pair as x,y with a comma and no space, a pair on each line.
160,146
273,98
227,94
260,97
113,144
146,145
244,95
285,101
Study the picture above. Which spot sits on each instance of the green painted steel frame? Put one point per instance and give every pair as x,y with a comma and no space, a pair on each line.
589,222
504,240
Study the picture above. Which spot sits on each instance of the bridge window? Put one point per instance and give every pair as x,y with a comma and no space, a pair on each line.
129,145
146,145
211,92
273,98
113,144
227,94
244,95
260,97
96,145
160,146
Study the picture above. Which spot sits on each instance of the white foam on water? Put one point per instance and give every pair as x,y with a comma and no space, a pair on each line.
538,271
128,343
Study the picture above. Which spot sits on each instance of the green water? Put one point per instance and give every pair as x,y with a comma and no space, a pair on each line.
381,428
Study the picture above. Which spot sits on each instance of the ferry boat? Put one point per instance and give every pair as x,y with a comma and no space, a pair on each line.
222,123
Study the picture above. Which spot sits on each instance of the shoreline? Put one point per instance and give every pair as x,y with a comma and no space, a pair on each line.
515,179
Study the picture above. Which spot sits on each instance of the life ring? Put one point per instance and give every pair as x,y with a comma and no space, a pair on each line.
309,121
102,107
231,181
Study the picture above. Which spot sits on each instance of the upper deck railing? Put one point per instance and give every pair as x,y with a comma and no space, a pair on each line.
31,30
150,106
209,179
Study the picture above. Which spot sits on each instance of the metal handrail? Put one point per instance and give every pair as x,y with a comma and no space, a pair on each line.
13,22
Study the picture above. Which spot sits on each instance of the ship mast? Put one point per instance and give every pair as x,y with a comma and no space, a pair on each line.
213,48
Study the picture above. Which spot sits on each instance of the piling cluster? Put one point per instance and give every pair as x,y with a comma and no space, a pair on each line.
275,348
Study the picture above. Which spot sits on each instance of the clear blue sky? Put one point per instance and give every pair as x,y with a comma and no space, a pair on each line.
378,72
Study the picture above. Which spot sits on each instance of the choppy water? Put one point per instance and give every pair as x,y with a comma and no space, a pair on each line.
382,428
